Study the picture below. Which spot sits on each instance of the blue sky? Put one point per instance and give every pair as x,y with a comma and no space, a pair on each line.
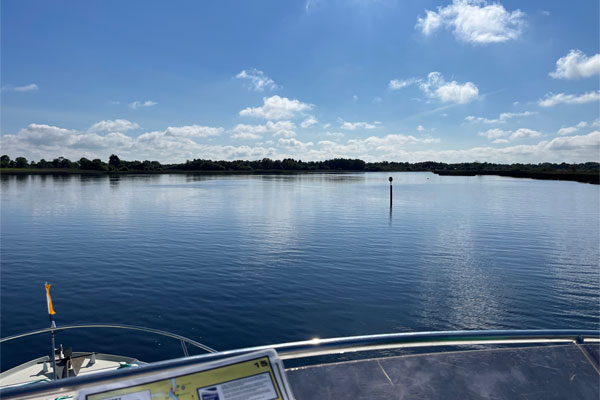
452,81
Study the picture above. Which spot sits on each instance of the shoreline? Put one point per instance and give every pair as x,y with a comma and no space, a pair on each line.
591,178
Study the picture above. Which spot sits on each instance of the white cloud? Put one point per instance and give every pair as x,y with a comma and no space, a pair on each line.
279,128
245,136
505,136
351,126
500,141
327,126
567,131
454,92
257,80
337,135
596,123
138,104
374,144
581,124
44,141
572,129
420,128
294,144
502,118
175,144
509,115
564,149
308,122
193,131
276,107
52,141
494,133
576,65
117,125
396,84
24,88
524,133
553,99
474,21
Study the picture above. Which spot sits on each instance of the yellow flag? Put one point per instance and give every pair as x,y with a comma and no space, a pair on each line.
49,300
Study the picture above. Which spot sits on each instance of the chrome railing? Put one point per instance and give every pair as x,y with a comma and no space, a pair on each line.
309,348
182,339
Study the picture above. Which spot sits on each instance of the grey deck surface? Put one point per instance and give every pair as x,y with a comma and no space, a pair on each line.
550,372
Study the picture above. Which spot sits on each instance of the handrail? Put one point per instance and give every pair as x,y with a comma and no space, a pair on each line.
183,339
314,347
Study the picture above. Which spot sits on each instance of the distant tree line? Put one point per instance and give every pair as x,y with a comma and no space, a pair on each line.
115,164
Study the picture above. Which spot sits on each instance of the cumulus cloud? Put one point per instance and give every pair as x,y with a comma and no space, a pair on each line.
44,141
435,86
351,126
173,144
24,88
502,118
550,100
308,122
276,107
420,128
246,136
563,149
52,141
337,135
385,146
474,21
454,92
193,131
576,65
494,133
502,136
524,133
294,144
257,80
139,104
572,129
117,125
279,128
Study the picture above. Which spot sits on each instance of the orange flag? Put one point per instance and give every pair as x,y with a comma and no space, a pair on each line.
49,300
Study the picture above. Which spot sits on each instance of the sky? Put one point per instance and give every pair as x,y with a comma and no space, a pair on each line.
411,80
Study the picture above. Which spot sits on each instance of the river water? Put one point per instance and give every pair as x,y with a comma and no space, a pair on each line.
236,261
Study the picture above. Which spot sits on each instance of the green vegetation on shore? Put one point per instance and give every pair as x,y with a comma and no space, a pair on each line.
583,172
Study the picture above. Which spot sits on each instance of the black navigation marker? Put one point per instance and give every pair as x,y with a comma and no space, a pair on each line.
391,179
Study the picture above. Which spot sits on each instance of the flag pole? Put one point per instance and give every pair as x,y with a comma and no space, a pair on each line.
51,312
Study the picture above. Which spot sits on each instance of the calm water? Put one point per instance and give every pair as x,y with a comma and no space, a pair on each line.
236,261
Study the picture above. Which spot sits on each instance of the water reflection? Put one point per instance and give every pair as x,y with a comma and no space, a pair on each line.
269,258
114,181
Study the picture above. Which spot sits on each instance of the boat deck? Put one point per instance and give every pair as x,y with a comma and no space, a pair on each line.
570,371
33,371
